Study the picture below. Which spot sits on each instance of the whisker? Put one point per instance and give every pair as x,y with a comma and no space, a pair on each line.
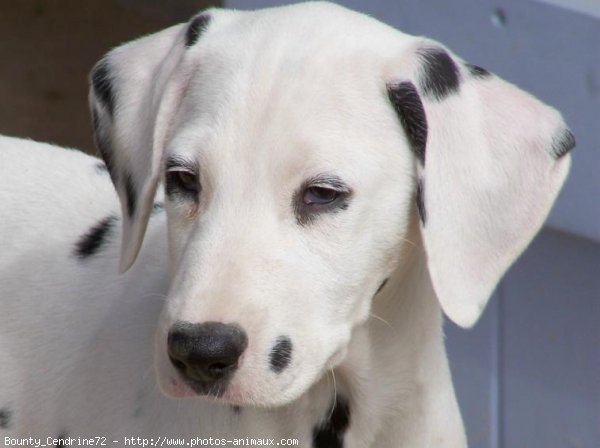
155,296
406,240
334,395
379,318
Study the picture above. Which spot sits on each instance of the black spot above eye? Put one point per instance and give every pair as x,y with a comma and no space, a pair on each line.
195,29
440,75
409,108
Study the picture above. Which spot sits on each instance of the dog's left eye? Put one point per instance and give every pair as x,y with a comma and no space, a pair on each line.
319,195
322,194
183,180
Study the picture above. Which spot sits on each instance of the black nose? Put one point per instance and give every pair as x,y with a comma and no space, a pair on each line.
206,352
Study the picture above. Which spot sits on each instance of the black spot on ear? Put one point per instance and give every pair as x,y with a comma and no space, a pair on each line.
102,85
381,286
408,106
563,144
91,242
281,354
330,433
130,195
440,75
478,72
420,201
195,29
5,418
102,141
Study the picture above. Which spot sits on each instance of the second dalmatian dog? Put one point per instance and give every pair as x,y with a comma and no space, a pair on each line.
331,186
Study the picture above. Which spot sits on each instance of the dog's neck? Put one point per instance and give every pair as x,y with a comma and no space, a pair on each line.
396,375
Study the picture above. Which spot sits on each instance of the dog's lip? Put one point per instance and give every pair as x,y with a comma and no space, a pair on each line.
215,389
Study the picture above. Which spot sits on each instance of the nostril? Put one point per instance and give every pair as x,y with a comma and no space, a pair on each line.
218,366
177,363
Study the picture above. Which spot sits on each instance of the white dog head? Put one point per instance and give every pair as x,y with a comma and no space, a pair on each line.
292,143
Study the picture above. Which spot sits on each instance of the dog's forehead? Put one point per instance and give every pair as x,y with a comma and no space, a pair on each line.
290,74
315,45
328,25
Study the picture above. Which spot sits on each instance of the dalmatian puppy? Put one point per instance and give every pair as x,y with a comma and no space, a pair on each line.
303,191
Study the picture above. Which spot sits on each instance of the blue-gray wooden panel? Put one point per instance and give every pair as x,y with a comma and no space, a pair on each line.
550,342
474,360
550,51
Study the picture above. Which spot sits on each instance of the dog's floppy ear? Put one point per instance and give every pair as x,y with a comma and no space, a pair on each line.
490,161
135,90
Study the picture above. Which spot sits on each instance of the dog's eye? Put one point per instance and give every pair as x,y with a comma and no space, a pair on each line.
326,193
319,195
183,180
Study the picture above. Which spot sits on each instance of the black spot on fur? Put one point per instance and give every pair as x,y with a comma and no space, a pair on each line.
281,354
408,106
478,72
236,410
92,241
157,208
563,144
381,286
130,195
330,433
102,85
195,29
101,168
440,75
5,418
420,201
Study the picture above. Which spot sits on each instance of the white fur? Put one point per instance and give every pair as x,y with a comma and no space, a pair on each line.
263,101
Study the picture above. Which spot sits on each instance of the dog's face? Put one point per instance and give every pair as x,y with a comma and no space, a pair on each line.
291,144
274,178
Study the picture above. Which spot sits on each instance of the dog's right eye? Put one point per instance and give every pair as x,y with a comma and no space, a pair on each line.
181,180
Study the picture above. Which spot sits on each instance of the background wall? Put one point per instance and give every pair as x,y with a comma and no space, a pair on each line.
47,50
528,375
